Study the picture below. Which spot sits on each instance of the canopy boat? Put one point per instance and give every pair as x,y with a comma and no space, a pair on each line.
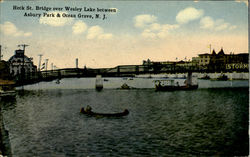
90,113
7,88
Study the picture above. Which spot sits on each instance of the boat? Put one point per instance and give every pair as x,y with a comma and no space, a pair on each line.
88,112
125,86
222,77
205,77
7,88
173,84
98,83
160,85
57,81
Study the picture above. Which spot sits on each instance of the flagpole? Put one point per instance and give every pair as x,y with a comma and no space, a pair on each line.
210,48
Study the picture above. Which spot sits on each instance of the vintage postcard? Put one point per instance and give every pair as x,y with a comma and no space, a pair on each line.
124,78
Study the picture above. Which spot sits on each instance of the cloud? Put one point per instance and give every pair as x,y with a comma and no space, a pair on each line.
216,25
152,29
56,21
10,29
157,30
189,14
96,32
242,1
142,20
207,23
79,27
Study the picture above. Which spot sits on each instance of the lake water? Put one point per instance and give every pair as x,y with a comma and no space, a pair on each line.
46,121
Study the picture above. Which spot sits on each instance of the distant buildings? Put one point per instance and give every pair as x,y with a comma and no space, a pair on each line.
19,61
221,61
214,62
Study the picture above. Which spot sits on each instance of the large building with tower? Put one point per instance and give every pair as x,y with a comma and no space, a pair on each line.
19,61
221,61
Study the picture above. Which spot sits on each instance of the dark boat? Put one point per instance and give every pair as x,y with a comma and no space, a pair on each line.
223,77
159,87
206,77
125,86
7,88
90,113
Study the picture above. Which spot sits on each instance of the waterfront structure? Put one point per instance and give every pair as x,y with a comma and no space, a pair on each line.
4,70
19,61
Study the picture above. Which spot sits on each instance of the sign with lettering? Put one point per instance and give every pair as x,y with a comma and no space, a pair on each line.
236,66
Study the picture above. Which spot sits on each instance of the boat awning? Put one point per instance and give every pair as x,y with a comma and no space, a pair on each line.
6,82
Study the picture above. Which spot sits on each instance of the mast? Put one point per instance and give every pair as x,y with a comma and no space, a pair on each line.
0,52
39,65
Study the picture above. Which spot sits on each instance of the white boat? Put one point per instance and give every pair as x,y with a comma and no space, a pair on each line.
98,83
173,84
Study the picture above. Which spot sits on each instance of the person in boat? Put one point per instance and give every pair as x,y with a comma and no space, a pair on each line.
88,109
158,83
177,83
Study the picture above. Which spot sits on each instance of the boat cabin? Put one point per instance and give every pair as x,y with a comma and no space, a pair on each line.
7,88
169,82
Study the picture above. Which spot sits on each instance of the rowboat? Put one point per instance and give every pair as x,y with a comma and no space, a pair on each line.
90,113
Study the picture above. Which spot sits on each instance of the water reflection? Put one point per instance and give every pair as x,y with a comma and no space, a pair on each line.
203,122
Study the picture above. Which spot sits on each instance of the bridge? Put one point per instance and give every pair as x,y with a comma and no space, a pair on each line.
119,71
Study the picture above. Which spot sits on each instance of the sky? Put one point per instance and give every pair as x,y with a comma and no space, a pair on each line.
130,32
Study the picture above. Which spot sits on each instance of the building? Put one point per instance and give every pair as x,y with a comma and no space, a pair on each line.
18,61
222,61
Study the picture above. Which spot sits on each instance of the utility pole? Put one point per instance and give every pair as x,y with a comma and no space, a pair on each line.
39,65
51,66
210,48
23,45
23,70
46,66
76,62
1,52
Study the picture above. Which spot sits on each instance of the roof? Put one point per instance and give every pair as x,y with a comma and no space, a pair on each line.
15,56
221,52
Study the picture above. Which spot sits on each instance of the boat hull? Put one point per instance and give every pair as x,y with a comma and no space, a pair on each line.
90,113
174,88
